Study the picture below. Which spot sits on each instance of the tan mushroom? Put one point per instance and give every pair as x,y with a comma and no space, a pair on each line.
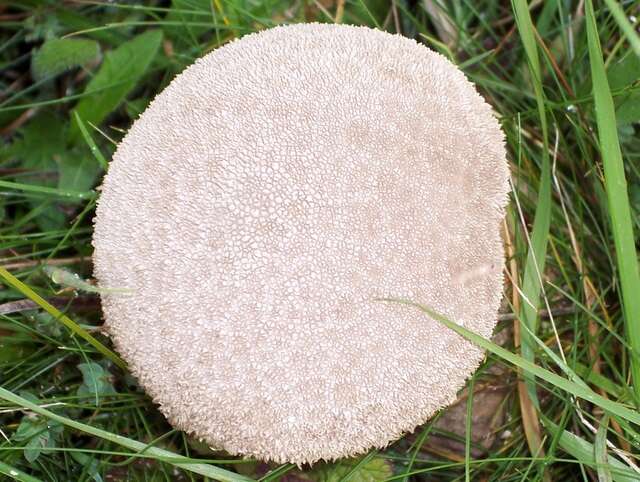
262,203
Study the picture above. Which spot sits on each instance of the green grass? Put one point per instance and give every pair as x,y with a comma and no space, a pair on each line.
563,78
617,195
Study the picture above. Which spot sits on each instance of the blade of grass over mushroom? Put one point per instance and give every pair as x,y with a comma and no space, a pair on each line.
580,390
618,197
58,315
160,454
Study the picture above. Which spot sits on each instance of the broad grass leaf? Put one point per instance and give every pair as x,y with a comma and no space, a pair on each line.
118,75
617,195
58,55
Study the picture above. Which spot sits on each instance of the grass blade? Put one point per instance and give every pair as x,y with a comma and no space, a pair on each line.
16,474
467,432
536,257
617,195
583,451
47,191
169,457
90,142
535,264
58,315
600,451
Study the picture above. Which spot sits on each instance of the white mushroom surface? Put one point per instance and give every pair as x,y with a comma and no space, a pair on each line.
259,208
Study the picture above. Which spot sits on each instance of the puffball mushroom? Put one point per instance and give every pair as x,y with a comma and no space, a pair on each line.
260,208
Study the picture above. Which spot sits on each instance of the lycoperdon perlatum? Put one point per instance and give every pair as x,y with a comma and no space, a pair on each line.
263,204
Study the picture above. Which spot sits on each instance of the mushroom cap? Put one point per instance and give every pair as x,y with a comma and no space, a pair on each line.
261,206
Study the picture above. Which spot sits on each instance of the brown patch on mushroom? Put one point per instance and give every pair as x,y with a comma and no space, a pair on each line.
259,207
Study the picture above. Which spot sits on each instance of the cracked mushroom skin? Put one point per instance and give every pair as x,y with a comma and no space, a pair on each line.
262,204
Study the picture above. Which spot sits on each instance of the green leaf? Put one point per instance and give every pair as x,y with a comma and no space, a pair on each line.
77,173
58,55
41,143
34,447
624,72
617,195
74,20
46,324
90,464
39,27
118,75
362,469
29,396
536,257
628,108
40,435
365,12
622,75
29,427
95,382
